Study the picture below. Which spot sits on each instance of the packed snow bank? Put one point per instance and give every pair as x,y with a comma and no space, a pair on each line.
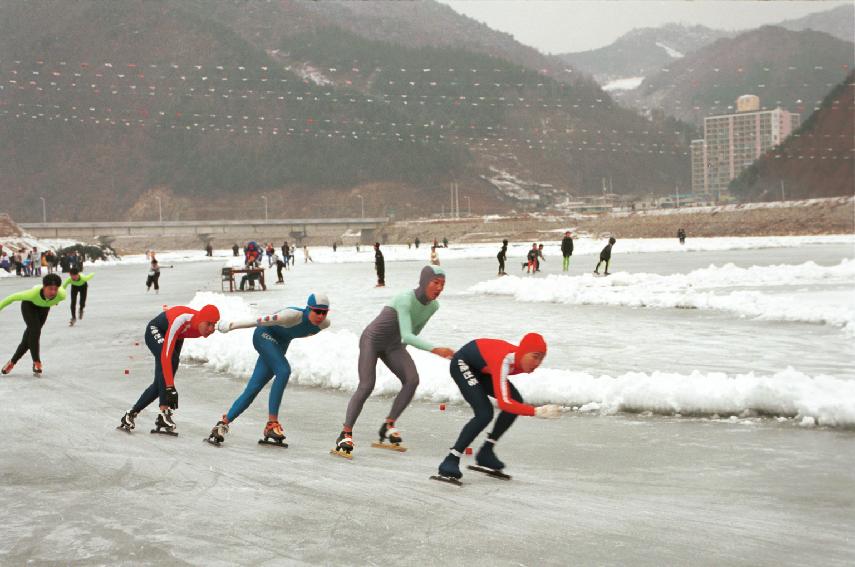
329,360
703,289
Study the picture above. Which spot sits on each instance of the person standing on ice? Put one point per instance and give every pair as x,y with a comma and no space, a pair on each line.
271,338
605,256
79,286
502,256
481,369
164,337
386,338
566,250
35,306
379,266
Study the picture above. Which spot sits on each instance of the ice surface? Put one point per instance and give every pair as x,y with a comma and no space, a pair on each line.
594,487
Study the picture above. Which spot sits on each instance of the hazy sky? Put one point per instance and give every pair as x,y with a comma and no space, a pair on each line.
565,26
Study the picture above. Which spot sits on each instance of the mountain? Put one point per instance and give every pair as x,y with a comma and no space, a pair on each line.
838,22
784,68
108,108
642,52
818,160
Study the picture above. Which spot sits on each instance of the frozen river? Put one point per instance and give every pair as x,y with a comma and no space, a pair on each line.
688,445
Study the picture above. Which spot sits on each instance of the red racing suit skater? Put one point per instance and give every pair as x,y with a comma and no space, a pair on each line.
164,337
481,369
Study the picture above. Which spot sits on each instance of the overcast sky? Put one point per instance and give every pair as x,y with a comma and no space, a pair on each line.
578,25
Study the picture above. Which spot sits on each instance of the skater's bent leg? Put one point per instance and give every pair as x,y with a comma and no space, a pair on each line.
73,301
282,370
260,376
367,368
401,364
151,393
505,419
84,289
22,349
35,318
475,394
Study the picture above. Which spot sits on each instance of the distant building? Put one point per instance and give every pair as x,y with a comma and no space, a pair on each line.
732,142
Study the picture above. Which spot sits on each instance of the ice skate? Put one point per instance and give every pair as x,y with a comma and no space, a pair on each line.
127,422
273,435
343,445
72,321
390,438
487,459
449,471
218,433
7,368
37,369
164,422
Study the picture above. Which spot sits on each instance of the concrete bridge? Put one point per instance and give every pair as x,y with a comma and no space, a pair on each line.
204,230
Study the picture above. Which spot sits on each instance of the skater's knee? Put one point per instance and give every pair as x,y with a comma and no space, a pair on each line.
484,416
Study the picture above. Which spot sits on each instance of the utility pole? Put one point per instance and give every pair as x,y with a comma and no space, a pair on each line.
264,198
468,205
44,209
159,209
782,190
361,206
457,199
677,195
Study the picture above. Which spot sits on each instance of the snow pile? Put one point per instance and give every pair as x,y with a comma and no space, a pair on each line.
823,400
514,187
697,290
673,53
624,84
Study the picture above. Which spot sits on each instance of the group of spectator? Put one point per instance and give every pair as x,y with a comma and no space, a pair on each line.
33,263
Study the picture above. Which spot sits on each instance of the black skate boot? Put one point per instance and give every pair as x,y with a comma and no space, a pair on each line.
72,321
488,463
218,433
344,445
449,470
487,459
273,435
390,437
164,422
127,422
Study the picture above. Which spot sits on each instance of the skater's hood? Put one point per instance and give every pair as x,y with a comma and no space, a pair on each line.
429,273
209,314
532,342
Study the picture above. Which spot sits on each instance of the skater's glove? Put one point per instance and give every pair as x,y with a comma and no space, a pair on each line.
172,397
550,411
224,326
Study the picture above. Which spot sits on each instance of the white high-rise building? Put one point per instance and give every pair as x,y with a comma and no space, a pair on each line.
733,141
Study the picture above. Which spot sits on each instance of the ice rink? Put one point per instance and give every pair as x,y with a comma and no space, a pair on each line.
709,420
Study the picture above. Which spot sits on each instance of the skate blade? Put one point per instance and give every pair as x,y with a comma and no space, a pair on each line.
447,479
489,472
342,454
125,429
212,442
389,446
159,432
282,444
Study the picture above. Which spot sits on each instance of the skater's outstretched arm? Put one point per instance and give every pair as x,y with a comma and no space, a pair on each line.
20,296
34,296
